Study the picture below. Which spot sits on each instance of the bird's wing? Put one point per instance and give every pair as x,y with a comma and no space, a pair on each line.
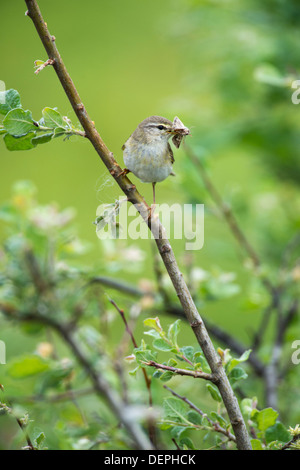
171,153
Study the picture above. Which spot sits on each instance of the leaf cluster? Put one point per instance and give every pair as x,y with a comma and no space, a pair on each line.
21,132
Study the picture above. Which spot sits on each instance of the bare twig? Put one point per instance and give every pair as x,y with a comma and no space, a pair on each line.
196,374
163,244
151,427
44,64
147,379
120,286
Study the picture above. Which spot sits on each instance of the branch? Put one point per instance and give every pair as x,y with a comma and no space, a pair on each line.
119,286
196,374
163,244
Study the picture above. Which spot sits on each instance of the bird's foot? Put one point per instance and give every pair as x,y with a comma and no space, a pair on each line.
124,172
151,211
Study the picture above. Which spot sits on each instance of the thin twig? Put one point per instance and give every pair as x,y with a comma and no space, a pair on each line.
45,64
196,374
151,427
120,286
215,425
147,379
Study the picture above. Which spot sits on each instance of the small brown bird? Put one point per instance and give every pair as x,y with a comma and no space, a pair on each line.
148,154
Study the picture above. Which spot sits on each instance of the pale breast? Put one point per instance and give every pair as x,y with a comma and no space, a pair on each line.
151,164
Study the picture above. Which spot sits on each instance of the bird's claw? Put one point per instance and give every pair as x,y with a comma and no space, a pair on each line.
124,172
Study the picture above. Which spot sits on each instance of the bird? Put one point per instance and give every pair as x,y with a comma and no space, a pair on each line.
147,153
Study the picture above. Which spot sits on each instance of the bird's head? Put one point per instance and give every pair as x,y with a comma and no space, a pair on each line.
157,128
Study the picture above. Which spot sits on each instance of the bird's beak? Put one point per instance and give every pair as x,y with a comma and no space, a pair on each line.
179,131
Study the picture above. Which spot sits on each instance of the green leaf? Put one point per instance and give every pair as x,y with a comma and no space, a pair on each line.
152,333
256,444
247,406
42,138
59,131
264,418
215,394
39,439
219,418
19,122
133,372
237,374
173,331
154,323
175,410
162,345
277,432
24,142
172,362
53,118
145,355
188,352
187,442
9,99
200,362
157,374
194,417
166,376
235,361
27,366
177,431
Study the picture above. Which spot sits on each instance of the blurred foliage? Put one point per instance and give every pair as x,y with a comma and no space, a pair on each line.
233,51
41,271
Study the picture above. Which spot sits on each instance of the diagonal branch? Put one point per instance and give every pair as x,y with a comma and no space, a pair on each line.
163,244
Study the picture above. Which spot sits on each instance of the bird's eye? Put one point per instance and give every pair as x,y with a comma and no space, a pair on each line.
160,127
